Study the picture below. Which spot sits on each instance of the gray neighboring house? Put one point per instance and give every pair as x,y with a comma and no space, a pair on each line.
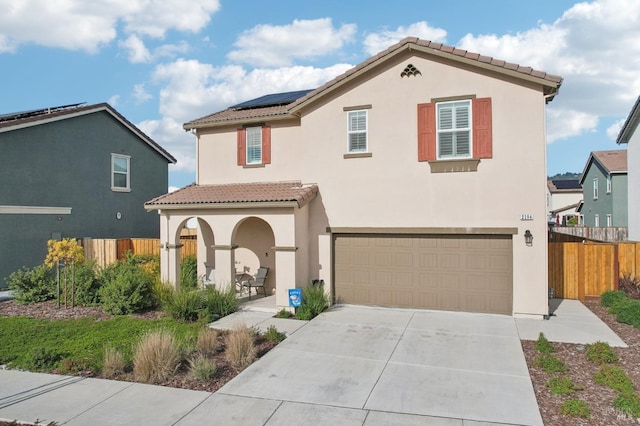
629,135
74,171
604,183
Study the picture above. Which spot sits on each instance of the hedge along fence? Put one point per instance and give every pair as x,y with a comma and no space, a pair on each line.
107,251
584,270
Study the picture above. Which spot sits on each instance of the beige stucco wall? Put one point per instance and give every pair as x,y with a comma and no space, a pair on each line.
393,189
633,167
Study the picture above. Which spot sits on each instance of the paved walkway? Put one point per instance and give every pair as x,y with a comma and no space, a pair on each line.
349,366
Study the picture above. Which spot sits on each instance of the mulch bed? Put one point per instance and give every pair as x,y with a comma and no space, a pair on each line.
599,398
49,310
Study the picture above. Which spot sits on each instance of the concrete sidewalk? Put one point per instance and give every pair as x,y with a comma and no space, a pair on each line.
349,366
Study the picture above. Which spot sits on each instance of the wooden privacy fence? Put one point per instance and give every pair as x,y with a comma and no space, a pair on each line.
583,270
107,251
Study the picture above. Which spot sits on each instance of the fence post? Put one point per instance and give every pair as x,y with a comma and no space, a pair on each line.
616,268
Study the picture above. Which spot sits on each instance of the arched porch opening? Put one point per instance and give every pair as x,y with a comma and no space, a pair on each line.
254,241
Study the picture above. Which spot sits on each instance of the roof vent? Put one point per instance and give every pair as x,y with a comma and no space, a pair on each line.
409,71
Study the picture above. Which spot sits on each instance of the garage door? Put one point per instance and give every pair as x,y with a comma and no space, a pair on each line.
447,272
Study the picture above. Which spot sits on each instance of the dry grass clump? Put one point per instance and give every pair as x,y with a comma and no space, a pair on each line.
207,343
240,351
156,357
113,363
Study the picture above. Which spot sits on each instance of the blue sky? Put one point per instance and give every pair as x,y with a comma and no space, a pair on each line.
164,62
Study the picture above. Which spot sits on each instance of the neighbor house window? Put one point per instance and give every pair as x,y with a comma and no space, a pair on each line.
595,188
120,172
357,131
596,220
609,220
454,129
608,184
254,145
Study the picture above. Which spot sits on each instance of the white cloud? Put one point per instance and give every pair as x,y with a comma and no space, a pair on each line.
614,130
113,100
594,46
378,42
89,25
140,94
278,46
136,50
566,123
171,136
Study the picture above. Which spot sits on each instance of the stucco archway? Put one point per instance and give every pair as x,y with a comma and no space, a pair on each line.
254,240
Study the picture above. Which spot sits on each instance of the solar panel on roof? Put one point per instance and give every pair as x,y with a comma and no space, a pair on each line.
567,184
272,100
34,112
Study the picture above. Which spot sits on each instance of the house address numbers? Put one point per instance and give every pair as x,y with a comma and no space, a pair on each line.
526,216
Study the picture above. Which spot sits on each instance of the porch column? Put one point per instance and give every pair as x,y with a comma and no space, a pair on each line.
285,274
169,254
225,265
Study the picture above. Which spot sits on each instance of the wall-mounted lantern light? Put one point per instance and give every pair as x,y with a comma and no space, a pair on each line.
528,238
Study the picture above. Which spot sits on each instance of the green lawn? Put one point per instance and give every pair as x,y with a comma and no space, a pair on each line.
73,345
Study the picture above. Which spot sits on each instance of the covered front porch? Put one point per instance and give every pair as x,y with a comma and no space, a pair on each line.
240,228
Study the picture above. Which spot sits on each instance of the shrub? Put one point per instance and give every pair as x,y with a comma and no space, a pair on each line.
283,313
314,298
202,367
207,342
562,385
189,273
550,363
240,351
304,313
628,312
610,298
183,305
601,353
126,289
575,407
32,285
615,378
543,345
273,335
87,286
630,285
220,303
160,292
156,357
113,363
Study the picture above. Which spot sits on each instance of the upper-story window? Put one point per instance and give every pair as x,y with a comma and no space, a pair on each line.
254,146
608,184
120,172
357,131
595,188
454,129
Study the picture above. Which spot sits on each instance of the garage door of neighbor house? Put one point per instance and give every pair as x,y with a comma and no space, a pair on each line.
471,273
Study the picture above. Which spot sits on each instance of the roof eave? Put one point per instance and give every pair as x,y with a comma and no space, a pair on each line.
224,206
630,125
237,122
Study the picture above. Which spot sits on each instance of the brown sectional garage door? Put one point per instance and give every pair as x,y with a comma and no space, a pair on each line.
450,272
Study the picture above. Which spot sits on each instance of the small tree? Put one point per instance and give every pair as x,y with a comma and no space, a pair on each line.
66,252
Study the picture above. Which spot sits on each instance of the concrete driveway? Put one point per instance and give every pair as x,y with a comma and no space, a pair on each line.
359,365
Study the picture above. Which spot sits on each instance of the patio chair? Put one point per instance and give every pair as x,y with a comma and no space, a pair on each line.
257,281
208,277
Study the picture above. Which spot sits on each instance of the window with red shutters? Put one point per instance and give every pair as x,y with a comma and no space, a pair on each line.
256,151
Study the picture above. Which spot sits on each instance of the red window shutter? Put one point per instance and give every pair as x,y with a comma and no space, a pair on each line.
482,133
266,145
242,147
426,132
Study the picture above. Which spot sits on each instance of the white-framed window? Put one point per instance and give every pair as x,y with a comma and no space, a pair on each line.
357,131
596,220
581,219
608,184
609,220
120,172
254,145
453,123
595,188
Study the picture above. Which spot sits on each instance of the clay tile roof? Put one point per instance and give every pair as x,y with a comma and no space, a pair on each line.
234,193
613,161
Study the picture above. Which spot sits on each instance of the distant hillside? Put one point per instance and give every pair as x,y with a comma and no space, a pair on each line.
565,176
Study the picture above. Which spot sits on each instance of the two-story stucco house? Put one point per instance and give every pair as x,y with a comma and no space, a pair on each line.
410,180
70,172
563,198
604,182
629,135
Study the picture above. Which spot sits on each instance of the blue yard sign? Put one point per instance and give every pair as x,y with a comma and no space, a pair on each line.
295,297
